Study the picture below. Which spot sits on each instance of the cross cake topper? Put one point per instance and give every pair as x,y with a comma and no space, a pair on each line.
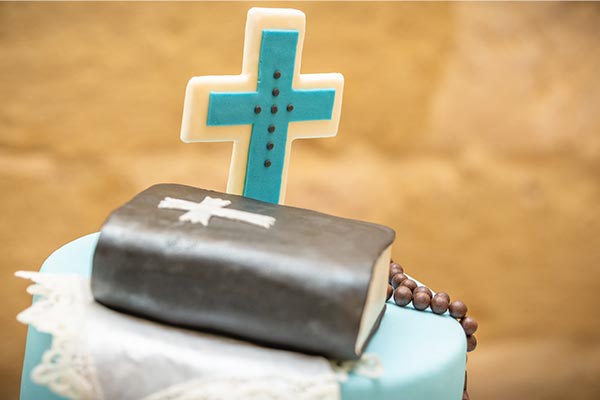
265,108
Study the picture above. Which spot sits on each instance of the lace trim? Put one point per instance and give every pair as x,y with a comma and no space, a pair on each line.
66,368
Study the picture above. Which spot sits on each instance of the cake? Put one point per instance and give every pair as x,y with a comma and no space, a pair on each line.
242,272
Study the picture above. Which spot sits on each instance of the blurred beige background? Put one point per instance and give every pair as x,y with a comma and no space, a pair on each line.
472,129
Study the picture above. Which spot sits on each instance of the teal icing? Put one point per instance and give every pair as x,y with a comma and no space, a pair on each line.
277,53
423,354
423,357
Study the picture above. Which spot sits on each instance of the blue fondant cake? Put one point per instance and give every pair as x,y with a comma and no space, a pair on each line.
423,354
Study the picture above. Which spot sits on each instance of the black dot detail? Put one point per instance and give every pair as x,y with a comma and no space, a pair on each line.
275,92
277,74
267,163
290,107
270,146
274,109
257,110
271,128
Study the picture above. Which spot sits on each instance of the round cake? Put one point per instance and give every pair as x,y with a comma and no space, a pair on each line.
423,354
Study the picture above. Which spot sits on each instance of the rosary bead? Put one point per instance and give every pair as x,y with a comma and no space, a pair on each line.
390,292
439,304
458,309
469,325
398,279
421,300
423,289
394,272
471,343
396,268
402,296
409,283
465,385
444,295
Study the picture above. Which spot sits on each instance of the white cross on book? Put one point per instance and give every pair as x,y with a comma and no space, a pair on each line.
202,212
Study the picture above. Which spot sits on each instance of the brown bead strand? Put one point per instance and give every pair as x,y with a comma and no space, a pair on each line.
405,290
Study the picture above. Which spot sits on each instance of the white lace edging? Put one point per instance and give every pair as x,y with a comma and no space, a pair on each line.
65,368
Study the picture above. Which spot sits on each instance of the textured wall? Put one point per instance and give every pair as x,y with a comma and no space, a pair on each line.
472,129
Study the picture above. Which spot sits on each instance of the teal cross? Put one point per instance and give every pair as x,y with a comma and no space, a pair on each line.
270,109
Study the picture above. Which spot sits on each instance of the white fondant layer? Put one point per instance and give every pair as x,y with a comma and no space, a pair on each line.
93,347
96,347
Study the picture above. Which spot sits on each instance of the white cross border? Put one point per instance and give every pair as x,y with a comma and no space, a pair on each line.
195,109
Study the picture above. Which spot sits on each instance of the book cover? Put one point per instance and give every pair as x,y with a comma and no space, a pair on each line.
276,275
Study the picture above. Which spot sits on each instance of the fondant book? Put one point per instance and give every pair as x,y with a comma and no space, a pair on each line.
278,275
